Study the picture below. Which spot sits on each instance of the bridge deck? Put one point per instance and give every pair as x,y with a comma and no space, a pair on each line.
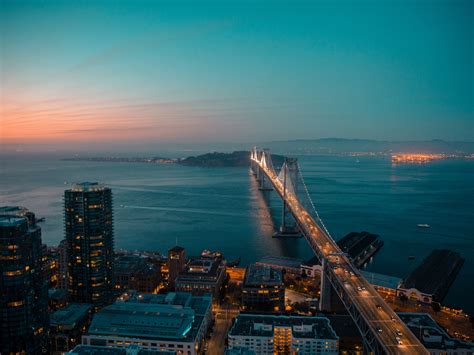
383,322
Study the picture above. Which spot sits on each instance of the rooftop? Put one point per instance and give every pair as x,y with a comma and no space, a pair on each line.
239,351
11,221
431,334
263,325
176,249
176,316
144,321
70,314
202,268
87,187
354,243
281,261
257,275
129,350
382,280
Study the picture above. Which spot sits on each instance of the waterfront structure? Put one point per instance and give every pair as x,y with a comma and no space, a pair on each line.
200,276
176,263
360,246
385,284
67,326
285,264
23,286
272,334
431,280
90,243
176,321
434,337
359,298
134,272
263,289
312,267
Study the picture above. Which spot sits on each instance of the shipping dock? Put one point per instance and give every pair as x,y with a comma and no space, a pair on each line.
431,280
360,246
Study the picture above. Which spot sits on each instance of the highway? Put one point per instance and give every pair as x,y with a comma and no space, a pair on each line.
384,323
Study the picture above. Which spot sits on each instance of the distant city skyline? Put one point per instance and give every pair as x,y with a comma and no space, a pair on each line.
125,74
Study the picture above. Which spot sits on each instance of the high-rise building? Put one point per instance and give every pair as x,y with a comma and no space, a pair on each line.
62,265
90,244
176,263
23,287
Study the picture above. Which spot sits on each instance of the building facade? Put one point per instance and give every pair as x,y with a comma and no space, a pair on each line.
90,244
134,272
271,334
263,289
176,263
202,276
23,287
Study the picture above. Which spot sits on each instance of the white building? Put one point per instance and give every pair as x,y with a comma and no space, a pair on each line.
174,322
269,334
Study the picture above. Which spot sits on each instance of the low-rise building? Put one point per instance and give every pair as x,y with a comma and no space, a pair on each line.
272,334
67,326
57,299
434,337
116,350
202,276
173,322
263,289
383,283
134,272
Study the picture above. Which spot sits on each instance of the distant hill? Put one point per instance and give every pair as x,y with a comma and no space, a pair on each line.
234,159
340,145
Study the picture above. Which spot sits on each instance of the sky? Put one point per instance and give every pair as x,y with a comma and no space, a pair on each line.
103,73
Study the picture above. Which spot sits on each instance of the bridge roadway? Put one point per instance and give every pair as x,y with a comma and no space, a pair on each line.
382,321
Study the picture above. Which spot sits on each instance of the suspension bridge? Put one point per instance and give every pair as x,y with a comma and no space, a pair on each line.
383,332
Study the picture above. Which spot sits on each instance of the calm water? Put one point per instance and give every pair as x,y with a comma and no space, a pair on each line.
221,208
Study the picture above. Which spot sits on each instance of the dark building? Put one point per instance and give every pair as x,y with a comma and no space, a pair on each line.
176,262
134,272
202,276
62,265
263,289
90,244
57,299
67,326
23,288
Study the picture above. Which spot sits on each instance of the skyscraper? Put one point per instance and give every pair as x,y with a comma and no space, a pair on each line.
90,243
23,287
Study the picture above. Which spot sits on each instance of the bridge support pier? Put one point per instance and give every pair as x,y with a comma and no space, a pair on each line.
325,297
287,229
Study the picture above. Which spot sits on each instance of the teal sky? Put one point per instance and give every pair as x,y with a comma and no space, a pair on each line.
131,71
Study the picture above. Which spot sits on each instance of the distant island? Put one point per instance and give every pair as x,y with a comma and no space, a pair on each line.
209,160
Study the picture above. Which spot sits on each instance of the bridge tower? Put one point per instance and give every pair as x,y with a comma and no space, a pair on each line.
264,183
288,227
325,297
